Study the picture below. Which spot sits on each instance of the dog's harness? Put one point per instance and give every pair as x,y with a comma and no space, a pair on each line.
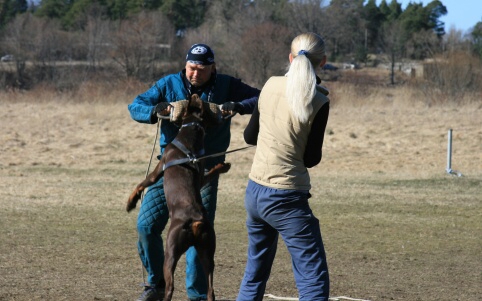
190,157
194,158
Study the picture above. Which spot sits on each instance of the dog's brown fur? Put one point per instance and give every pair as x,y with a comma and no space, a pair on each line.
190,225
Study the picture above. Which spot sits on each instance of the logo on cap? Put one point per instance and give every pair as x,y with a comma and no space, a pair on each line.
199,50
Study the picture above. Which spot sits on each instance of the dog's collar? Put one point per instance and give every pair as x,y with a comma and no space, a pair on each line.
186,151
194,123
190,157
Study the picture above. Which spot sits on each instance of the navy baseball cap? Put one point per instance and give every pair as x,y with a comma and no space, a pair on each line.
200,54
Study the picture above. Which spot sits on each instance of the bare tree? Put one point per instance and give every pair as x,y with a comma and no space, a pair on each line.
265,52
225,28
344,27
138,42
448,77
307,16
18,42
423,44
42,52
454,40
392,44
97,32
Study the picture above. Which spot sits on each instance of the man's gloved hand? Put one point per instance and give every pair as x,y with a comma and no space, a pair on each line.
230,107
178,109
161,109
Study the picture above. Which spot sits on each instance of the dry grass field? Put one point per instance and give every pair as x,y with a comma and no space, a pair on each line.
396,226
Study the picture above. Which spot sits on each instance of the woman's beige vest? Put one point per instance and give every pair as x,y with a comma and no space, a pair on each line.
278,162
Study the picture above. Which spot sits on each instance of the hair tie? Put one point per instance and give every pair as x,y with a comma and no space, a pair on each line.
302,52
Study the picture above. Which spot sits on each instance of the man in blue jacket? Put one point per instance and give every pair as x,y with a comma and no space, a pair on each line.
198,77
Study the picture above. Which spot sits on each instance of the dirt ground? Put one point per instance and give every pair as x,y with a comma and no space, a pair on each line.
395,225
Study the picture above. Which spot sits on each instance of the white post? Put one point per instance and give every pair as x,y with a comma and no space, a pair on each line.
449,152
449,156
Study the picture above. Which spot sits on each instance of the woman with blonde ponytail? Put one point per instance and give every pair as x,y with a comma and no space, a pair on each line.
307,53
288,128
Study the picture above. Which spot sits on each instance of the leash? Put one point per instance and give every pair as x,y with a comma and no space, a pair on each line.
142,196
193,159
224,153
152,152
190,157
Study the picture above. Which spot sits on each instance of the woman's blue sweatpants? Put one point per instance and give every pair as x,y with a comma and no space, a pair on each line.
271,212
151,221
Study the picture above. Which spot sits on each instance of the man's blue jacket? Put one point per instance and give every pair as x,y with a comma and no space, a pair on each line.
172,88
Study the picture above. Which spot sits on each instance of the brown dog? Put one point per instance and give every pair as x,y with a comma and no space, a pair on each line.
183,179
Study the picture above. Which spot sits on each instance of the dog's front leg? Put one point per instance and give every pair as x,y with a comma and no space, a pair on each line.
216,170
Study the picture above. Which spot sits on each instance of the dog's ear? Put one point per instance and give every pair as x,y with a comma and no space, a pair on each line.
194,106
196,102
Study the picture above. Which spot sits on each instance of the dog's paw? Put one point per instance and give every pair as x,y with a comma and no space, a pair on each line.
222,167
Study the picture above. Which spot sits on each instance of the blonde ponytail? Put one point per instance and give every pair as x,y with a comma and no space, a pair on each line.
308,52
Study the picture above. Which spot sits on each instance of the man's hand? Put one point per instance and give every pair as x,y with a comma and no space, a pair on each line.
162,109
231,108
177,110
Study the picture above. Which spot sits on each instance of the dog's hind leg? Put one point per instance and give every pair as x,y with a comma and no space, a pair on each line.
175,247
205,251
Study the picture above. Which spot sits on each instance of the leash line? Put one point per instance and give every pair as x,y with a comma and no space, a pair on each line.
224,153
153,148
193,159
142,195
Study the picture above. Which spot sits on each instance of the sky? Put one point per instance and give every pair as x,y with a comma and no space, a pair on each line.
461,14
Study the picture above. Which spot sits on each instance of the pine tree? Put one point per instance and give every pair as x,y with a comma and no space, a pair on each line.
374,19
185,13
53,9
10,8
477,39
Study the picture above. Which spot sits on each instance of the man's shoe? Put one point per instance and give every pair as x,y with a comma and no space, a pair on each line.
150,294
